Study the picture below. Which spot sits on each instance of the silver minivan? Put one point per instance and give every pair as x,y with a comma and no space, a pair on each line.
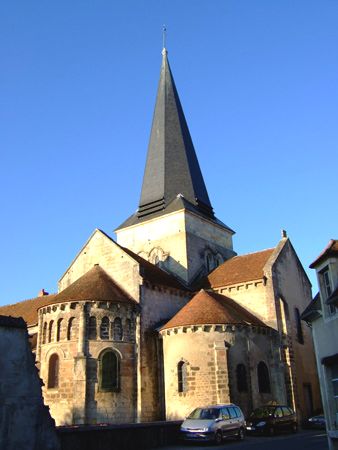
213,423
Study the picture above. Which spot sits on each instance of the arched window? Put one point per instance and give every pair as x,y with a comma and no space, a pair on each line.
50,331
92,330
58,330
70,328
300,336
53,371
127,331
109,377
104,328
242,382
210,262
263,378
44,333
117,329
182,376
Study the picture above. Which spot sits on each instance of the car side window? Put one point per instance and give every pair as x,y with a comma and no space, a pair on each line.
291,411
225,414
278,412
286,411
238,411
232,412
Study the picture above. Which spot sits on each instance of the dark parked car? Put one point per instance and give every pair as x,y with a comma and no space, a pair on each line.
213,423
270,419
315,422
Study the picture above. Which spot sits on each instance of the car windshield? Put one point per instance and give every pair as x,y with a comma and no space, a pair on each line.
264,411
204,413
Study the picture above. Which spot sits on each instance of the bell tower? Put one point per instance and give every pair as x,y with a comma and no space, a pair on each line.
175,225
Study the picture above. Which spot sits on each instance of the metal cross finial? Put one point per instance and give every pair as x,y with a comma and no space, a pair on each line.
164,35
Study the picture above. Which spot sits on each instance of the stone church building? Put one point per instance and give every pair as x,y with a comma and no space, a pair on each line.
168,317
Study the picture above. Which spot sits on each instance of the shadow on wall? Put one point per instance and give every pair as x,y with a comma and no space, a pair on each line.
141,436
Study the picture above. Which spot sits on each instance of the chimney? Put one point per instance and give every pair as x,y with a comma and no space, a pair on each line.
42,293
284,234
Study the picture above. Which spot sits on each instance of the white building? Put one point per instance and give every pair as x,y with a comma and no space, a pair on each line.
322,315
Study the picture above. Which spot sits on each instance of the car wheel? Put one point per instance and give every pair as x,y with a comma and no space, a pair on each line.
294,428
218,437
240,434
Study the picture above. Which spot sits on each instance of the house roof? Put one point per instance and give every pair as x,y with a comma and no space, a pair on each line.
330,250
312,311
28,309
207,308
238,269
95,285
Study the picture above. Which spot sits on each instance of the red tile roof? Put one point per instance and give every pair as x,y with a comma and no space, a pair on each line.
95,285
27,309
238,269
207,308
330,250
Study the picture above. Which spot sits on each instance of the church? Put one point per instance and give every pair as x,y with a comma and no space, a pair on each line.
168,317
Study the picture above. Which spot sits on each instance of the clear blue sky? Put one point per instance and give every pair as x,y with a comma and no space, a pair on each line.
258,80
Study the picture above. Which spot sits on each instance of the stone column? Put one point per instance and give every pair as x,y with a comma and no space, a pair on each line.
80,371
221,372
81,347
138,409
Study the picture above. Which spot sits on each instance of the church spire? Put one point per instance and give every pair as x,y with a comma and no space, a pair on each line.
172,167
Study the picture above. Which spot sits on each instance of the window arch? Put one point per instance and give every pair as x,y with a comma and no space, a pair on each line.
117,329
182,376
210,262
70,328
92,330
44,333
242,382
58,329
263,378
53,371
127,332
109,376
104,328
50,331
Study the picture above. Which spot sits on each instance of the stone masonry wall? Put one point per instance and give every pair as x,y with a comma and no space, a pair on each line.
25,422
212,354
78,397
102,250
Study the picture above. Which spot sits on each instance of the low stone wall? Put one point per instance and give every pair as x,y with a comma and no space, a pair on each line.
138,436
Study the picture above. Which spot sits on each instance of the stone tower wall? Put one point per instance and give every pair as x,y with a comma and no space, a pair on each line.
212,354
78,397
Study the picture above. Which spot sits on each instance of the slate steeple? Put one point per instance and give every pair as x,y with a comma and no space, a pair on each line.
172,167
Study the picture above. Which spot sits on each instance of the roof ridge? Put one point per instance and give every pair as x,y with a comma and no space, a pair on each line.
252,253
28,300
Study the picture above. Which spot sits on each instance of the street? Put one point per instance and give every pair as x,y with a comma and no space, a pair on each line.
307,439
